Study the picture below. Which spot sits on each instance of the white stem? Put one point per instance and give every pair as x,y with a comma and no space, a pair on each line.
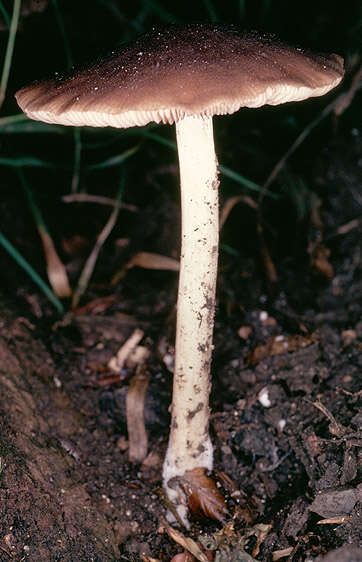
189,444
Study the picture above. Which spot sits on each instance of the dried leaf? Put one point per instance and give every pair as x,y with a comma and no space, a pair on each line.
147,260
186,542
203,496
56,271
135,401
243,510
260,531
96,306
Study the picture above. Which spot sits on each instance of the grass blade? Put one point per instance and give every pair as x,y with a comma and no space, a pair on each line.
15,124
56,271
160,11
25,265
114,160
60,22
77,159
4,14
9,50
29,162
224,170
211,10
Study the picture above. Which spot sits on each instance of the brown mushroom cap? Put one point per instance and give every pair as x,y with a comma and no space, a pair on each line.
198,69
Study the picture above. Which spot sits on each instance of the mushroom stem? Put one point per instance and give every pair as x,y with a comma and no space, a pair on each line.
189,443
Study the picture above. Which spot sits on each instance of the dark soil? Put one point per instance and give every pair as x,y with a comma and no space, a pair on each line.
68,491
286,400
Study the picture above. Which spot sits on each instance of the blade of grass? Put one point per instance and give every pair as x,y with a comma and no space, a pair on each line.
242,9
60,22
265,8
29,162
77,159
102,237
75,130
161,12
21,124
25,265
9,50
114,160
118,14
4,14
211,10
241,180
56,271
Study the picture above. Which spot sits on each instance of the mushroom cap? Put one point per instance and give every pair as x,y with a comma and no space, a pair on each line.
194,69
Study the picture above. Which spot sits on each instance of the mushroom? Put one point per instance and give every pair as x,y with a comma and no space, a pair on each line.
185,75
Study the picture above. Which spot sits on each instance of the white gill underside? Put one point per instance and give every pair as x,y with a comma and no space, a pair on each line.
189,444
272,95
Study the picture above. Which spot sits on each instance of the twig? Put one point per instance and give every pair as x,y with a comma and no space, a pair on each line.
100,199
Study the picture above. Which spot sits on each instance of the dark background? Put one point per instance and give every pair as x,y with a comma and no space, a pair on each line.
53,36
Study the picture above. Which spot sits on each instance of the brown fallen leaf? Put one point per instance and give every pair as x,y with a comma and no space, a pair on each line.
230,543
260,531
186,542
243,509
147,260
334,520
203,497
57,274
96,306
